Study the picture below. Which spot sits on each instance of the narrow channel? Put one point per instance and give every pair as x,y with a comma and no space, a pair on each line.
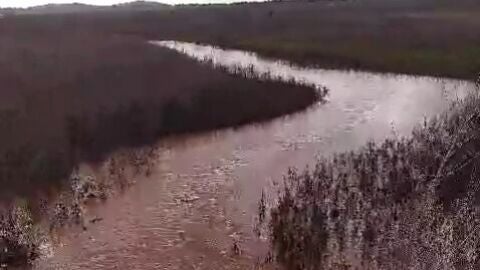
202,194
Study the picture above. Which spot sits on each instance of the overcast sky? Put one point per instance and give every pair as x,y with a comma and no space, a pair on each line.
28,3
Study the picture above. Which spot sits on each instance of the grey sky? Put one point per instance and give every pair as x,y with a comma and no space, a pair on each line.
28,3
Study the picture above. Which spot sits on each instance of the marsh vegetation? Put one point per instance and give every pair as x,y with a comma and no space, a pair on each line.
71,95
402,203
77,87
424,37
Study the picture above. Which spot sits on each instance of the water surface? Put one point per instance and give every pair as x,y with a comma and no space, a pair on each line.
203,191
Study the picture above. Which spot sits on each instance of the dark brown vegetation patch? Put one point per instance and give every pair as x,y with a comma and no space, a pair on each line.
69,95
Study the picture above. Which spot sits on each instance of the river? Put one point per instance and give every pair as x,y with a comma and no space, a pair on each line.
201,196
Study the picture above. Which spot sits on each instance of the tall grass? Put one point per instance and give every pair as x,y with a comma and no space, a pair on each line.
418,37
70,94
407,203
424,37
78,96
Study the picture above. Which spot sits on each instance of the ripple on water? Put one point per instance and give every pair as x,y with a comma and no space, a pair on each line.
202,194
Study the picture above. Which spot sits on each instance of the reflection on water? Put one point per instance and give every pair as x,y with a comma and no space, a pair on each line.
202,194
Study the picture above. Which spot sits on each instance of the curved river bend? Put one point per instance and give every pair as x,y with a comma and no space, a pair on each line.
203,191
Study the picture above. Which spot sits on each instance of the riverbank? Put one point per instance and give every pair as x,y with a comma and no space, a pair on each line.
197,205
435,38
78,96
401,203
412,37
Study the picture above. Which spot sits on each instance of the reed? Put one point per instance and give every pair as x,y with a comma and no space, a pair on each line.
402,203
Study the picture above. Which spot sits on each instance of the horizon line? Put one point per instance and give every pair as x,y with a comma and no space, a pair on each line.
88,3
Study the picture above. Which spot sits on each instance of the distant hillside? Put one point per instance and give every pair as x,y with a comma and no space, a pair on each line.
79,8
141,5
59,8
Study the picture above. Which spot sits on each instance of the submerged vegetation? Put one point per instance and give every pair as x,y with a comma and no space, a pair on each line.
400,204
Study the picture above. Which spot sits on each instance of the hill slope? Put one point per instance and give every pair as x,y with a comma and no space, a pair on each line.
81,8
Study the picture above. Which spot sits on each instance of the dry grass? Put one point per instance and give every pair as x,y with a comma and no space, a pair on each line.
408,203
417,37
71,94
76,87
426,37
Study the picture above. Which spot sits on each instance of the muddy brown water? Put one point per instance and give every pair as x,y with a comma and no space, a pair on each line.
203,190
